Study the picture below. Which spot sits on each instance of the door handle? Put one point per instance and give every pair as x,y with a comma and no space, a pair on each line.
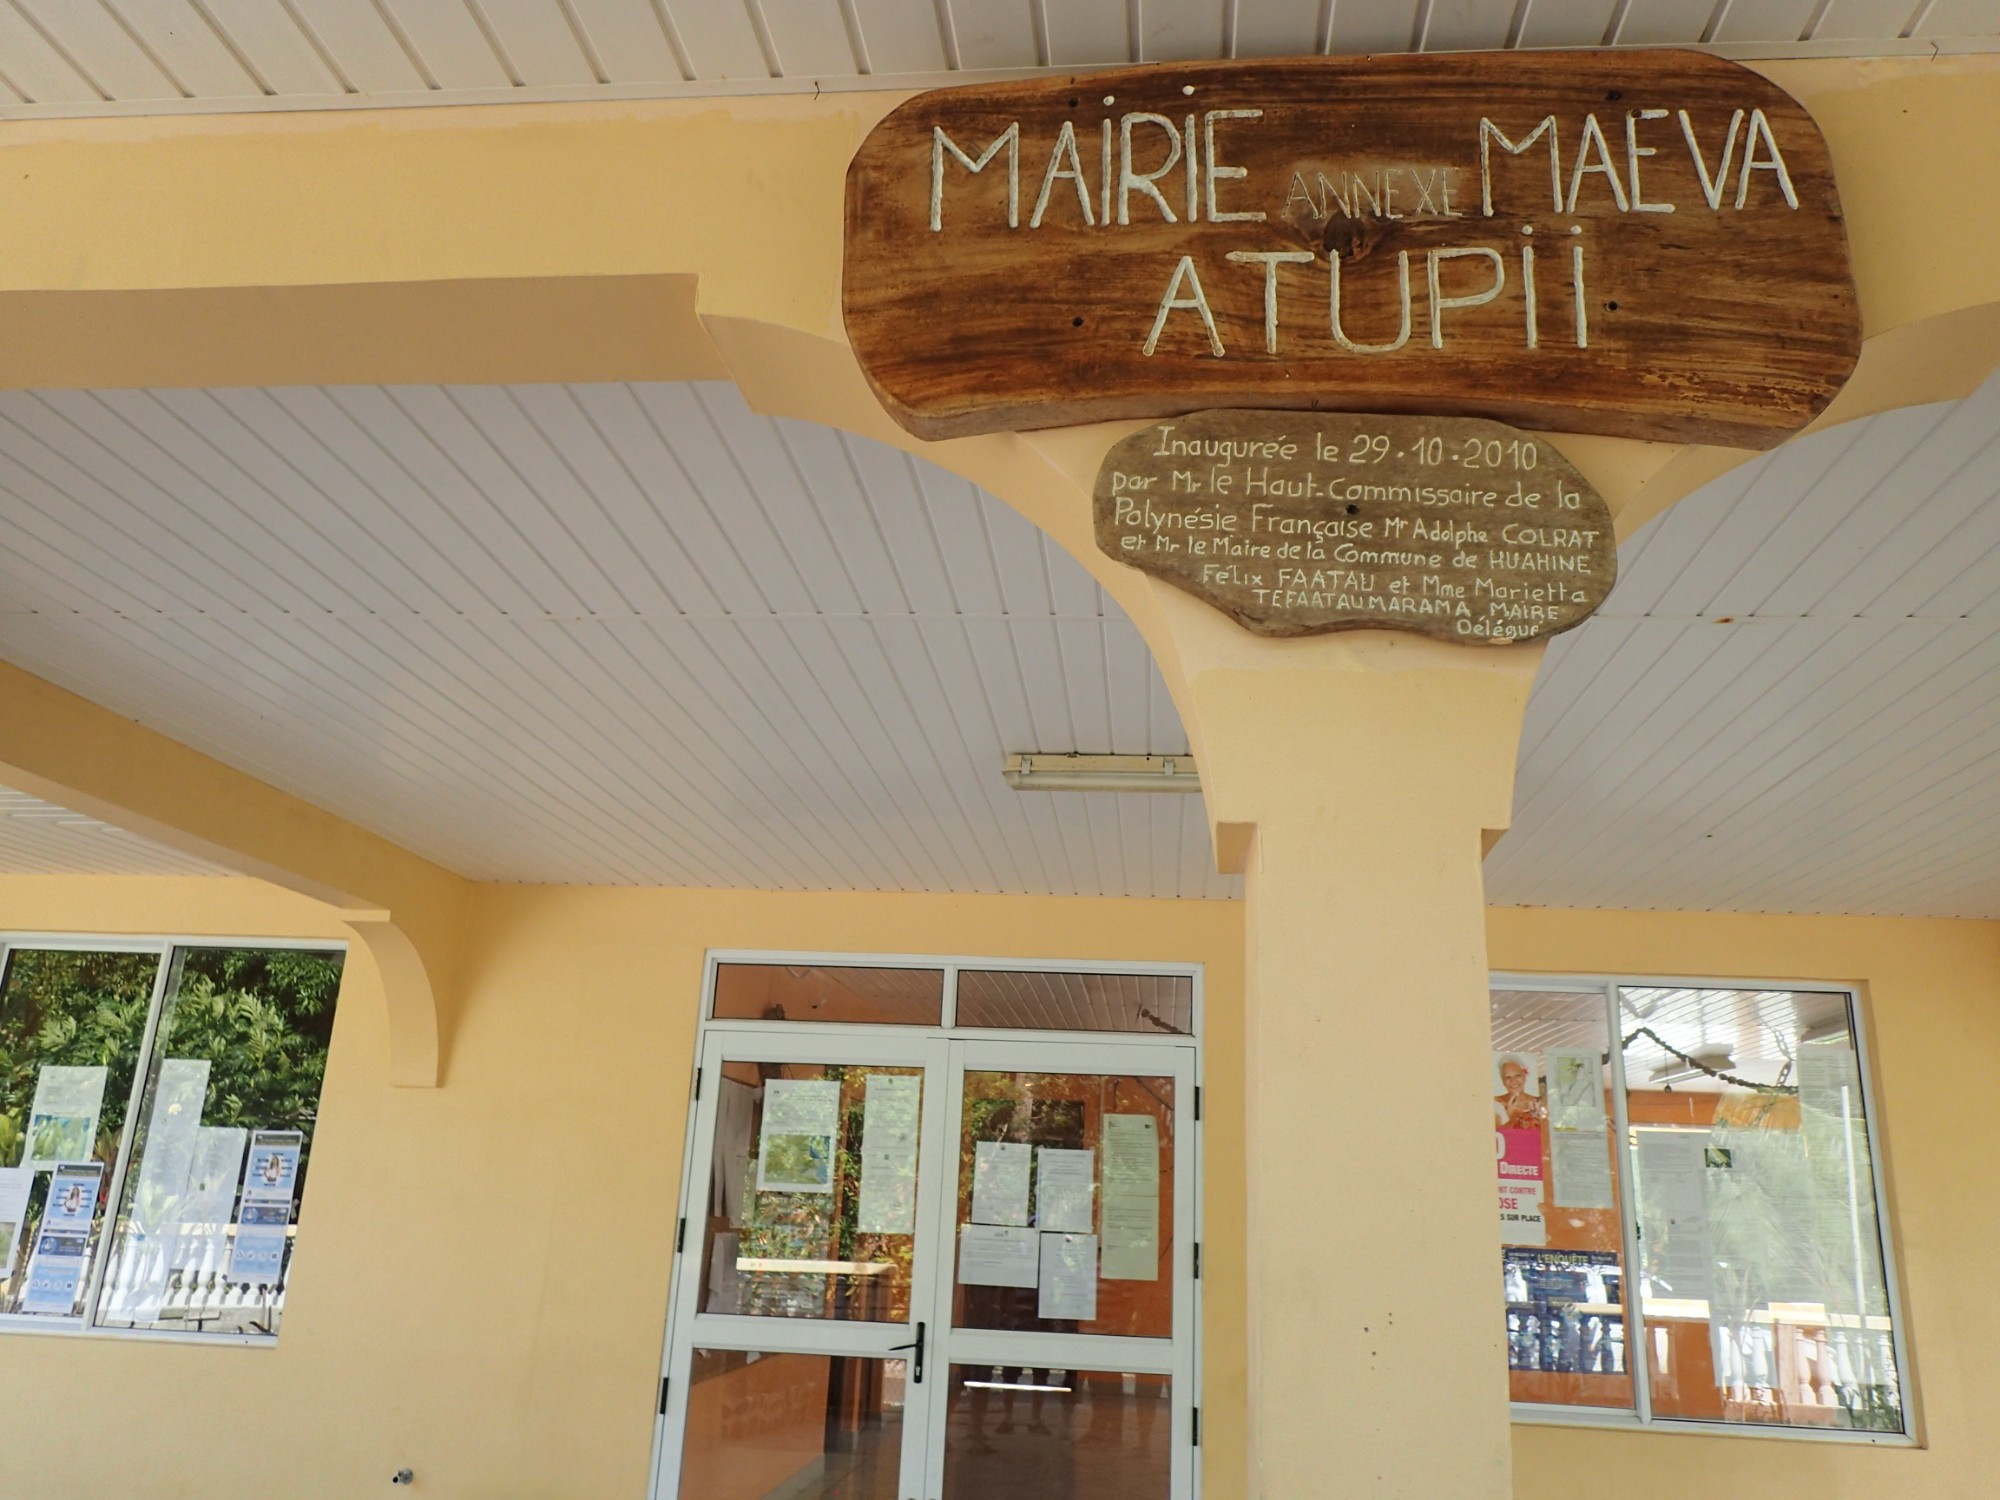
916,1364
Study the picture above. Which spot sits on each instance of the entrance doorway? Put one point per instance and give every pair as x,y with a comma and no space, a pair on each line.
941,1234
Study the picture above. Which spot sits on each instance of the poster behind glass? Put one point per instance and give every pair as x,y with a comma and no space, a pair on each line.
1557,1200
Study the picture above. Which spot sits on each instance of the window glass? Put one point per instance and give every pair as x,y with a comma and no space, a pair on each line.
812,1198
1765,1294
1562,1256
204,1235
1040,1001
72,1023
802,992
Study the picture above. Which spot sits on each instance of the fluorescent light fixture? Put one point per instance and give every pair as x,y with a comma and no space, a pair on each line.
1715,1059
1034,771
1007,1385
812,1267
1826,1031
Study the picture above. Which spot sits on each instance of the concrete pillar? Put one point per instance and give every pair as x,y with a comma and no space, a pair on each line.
1357,800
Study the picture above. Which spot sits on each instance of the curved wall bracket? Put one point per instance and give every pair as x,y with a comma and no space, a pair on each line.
408,993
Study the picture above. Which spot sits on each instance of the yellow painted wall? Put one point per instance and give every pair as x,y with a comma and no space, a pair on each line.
440,1319
441,1315
1932,1007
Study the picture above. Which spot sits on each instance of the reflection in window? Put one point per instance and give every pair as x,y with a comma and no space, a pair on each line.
1761,1286
1039,1001
847,993
1766,1296
1066,1204
1562,1257
792,1427
812,1204
1014,1431
71,1025
205,1233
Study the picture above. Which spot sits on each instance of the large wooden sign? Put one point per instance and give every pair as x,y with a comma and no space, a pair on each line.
1646,244
1296,524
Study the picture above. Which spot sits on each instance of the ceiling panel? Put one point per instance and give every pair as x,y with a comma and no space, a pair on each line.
630,634
39,838
1791,700
62,57
640,634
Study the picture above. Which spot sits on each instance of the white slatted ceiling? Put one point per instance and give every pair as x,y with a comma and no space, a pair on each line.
1791,701
71,56
39,838
593,633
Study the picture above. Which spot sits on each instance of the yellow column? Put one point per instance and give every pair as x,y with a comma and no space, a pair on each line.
1355,783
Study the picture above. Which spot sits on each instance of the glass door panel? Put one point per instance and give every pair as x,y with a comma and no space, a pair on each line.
1066,1329
923,1268
812,1207
1062,1434
1065,1203
793,1427
806,1276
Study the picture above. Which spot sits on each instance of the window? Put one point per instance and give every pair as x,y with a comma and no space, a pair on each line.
1688,1208
157,1105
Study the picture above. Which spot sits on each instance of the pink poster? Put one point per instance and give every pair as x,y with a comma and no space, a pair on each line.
1519,1153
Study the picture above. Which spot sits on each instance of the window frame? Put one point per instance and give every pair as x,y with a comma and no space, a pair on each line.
164,946
1641,1417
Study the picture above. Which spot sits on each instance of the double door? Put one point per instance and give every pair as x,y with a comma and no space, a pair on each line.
919,1267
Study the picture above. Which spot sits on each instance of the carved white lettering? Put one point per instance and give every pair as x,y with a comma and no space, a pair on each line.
1403,334
1213,166
1593,139
1195,301
1489,133
1712,188
1760,129
1633,151
1439,302
1145,182
941,143
1065,151
1271,260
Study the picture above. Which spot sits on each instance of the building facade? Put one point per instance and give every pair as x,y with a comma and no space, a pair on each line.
488,678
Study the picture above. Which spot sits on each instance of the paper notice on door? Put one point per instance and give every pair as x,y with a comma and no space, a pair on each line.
62,1122
1131,1155
1580,1161
888,1199
997,1255
1678,1254
1131,1198
1064,1184
178,1095
1519,1154
214,1170
1576,1090
1000,1185
62,1241
1521,1221
264,1212
1579,1137
795,1147
1068,1279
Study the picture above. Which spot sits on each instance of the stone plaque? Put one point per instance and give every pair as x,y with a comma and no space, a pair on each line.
1641,243
1298,523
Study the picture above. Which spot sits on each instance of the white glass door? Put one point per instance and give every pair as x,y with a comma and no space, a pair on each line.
920,1268
1065,1317
798,1366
